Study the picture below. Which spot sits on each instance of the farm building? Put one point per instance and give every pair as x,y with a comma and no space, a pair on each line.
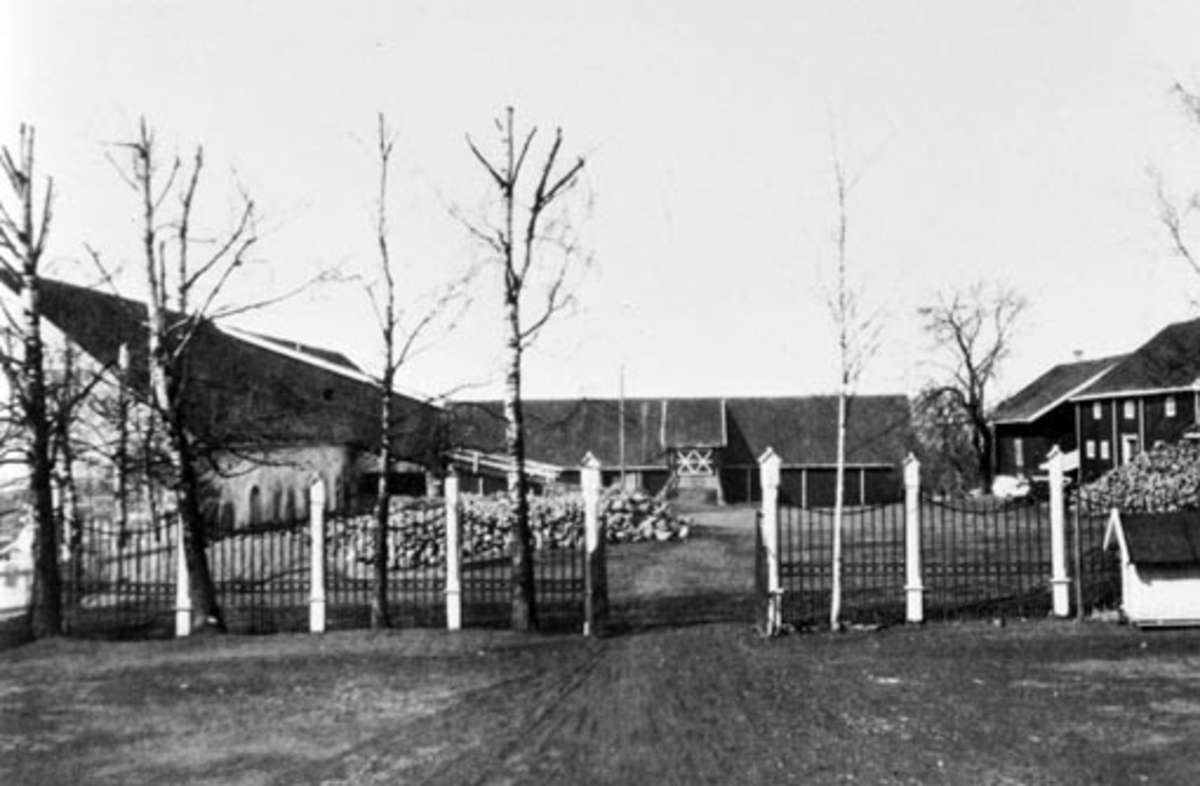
702,446
267,414
1160,566
1110,410
1041,415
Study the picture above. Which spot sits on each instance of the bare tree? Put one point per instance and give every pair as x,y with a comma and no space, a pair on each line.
23,235
537,251
972,332
180,299
402,329
1176,212
858,340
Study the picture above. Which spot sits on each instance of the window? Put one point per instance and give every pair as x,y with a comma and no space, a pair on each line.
1097,410
1104,455
1169,407
255,506
1129,410
1089,448
1019,453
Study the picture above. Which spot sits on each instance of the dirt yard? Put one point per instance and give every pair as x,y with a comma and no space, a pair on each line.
702,702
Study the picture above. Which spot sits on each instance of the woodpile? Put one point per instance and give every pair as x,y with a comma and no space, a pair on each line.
1162,480
418,528
636,517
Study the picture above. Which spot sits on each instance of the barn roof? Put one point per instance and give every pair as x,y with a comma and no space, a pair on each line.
802,430
1162,538
1168,361
244,388
1053,388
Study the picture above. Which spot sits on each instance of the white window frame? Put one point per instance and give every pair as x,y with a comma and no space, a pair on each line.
1170,407
1089,448
1104,452
1129,410
1019,452
1097,410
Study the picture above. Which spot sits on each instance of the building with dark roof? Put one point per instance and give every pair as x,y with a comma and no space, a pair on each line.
1147,398
267,414
706,445
1041,415
1108,410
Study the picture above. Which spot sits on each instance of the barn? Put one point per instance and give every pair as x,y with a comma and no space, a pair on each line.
267,414
702,447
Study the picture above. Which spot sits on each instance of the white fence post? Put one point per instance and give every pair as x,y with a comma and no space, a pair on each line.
316,600
453,554
914,589
1059,581
595,577
183,582
770,465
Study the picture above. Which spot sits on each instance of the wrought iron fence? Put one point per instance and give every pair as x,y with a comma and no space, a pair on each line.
417,567
979,559
985,558
559,563
119,582
872,564
122,585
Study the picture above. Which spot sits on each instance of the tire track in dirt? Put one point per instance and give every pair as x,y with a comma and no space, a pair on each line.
652,708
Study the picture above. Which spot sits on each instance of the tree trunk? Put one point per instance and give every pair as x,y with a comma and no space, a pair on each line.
379,604
839,503
206,614
46,619
524,600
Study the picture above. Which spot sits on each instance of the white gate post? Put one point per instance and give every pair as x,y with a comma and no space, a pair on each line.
316,513
453,554
183,582
770,465
914,589
595,577
1059,581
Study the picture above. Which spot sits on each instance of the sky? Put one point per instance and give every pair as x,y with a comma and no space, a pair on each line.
1009,143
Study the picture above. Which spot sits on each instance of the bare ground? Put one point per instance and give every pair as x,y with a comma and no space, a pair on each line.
702,702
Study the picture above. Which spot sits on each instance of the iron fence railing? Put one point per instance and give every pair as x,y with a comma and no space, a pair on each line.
979,559
985,558
872,564
121,585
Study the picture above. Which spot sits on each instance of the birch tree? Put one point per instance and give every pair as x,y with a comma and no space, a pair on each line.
857,341
180,295
533,240
402,330
24,228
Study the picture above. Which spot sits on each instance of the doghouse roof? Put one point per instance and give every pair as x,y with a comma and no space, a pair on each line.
1162,538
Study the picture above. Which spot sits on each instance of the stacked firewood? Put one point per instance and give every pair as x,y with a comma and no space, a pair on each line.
418,527
1161,480
636,517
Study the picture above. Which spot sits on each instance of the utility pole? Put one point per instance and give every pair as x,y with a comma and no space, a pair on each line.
621,431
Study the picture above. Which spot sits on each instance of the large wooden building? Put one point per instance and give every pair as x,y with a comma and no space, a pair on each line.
267,415
701,446
1107,410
